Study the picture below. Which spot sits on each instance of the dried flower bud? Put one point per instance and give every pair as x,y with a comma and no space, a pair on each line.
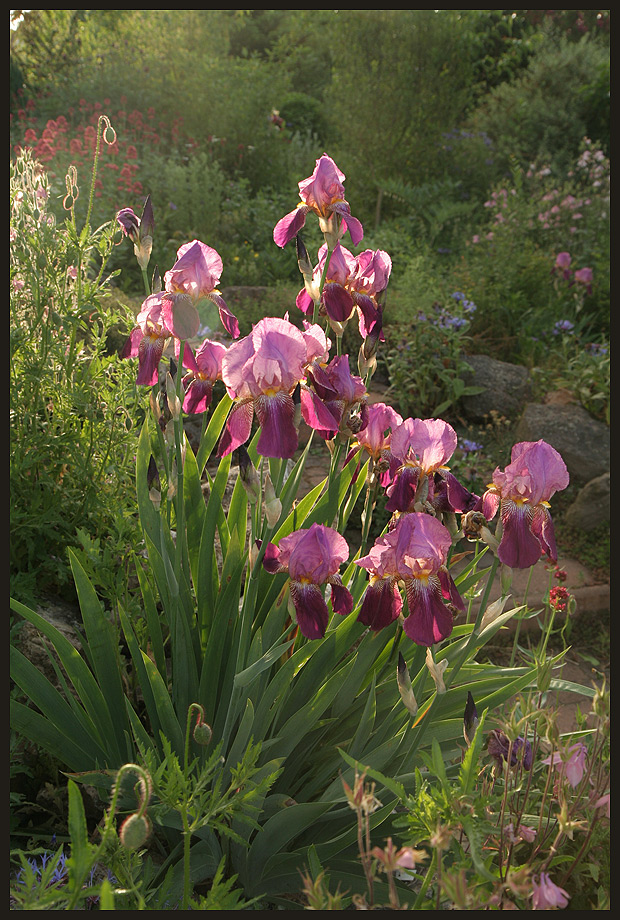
436,669
494,610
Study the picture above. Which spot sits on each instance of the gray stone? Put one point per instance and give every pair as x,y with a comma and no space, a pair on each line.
592,505
582,441
506,388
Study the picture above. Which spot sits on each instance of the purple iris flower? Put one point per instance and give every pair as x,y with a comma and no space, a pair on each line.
260,372
414,553
522,492
312,558
323,194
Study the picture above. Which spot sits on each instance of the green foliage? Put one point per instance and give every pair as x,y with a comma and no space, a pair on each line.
71,405
545,111
510,264
411,106
424,358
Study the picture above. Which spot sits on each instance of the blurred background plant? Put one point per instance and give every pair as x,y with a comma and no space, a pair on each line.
492,161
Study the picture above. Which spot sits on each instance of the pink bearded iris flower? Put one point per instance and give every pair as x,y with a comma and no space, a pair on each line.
415,553
148,338
420,450
260,373
335,399
350,283
205,367
312,558
196,273
522,491
323,194
375,439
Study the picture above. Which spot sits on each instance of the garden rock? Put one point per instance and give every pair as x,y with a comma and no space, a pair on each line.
592,505
506,388
582,441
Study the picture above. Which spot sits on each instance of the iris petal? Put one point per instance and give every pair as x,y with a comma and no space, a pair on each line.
429,620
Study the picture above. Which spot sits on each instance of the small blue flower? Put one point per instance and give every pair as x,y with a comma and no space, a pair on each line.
468,446
563,325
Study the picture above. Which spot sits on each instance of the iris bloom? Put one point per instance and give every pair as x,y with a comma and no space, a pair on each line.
547,895
261,372
139,230
415,553
375,438
196,273
521,492
323,194
420,450
350,283
205,367
148,338
335,398
312,558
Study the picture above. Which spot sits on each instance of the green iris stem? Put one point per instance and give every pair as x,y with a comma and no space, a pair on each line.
519,620
427,880
147,286
181,542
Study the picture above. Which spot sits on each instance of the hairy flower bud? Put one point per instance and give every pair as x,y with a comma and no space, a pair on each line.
135,831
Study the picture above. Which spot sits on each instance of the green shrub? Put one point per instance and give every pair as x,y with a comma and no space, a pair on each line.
71,404
547,109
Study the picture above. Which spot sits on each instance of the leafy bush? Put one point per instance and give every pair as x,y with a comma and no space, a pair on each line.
71,405
546,110
512,265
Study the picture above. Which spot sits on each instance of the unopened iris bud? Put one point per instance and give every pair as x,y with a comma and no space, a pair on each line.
152,474
273,505
470,719
174,403
303,259
366,365
247,473
404,686
144,245
297,404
